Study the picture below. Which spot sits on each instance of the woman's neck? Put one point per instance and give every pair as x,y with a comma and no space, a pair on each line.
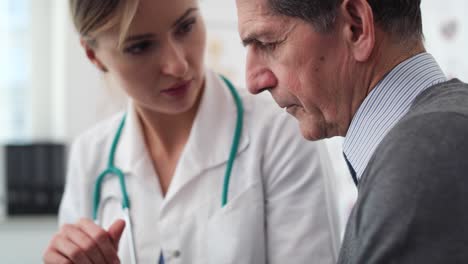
166,134
165,137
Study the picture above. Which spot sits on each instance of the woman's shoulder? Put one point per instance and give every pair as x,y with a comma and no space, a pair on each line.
262,112
89,151
99,134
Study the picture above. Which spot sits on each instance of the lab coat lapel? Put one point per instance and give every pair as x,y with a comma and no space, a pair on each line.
208,146
132,155
211,137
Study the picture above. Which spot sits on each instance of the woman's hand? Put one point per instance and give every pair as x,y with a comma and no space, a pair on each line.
85,242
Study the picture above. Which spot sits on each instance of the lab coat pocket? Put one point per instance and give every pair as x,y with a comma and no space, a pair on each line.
235,233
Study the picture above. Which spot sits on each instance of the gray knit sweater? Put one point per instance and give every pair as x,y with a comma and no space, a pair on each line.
412,205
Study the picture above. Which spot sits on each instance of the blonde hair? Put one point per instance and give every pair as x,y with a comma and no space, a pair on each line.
92,17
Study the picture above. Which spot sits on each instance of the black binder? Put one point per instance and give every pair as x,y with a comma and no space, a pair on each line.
35,176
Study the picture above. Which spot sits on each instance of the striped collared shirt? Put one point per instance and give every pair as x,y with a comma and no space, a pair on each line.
386,104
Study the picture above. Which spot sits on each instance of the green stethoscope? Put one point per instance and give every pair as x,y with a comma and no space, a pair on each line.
113,170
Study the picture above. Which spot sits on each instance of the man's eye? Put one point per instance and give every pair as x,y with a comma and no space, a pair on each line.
267,46
138,48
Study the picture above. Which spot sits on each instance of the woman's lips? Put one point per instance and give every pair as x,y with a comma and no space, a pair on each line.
178,90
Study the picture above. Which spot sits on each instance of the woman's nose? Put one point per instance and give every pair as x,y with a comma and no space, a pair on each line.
174,61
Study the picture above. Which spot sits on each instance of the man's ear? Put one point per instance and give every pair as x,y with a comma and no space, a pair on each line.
359,28
91,54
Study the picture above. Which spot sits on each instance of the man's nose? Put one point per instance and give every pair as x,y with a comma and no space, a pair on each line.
258,75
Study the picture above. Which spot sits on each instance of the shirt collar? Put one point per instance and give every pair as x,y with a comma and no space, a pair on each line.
386,104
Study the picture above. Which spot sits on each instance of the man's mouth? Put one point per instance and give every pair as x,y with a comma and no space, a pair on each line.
290,106
292,109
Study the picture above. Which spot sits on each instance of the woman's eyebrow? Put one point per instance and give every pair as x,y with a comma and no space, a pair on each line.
139,37
149,35
186,14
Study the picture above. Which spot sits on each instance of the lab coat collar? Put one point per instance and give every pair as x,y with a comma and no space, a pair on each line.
132,147
209,142
212,133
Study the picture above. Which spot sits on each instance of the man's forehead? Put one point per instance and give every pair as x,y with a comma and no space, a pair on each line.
253,8
255,15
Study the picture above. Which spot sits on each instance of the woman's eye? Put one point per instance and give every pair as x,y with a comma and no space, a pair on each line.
186,27
138,48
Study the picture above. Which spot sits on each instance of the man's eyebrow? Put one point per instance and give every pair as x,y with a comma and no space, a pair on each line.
250,39
258,36
254,37
186,14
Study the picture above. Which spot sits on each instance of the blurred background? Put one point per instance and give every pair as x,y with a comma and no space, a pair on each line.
49,94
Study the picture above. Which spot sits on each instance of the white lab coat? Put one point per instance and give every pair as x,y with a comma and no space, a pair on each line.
280,209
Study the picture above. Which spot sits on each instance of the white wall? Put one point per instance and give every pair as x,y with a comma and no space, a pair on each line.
3,116
81,97
86,98
66,95
225,53
40,73
4,44
3,191
446,32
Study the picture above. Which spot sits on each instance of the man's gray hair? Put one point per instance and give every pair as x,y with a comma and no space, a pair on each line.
401,18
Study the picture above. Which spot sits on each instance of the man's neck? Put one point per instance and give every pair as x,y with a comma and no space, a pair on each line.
386,56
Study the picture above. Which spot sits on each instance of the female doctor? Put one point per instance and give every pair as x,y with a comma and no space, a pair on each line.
173,148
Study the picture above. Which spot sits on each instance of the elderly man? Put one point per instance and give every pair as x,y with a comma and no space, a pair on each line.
358,68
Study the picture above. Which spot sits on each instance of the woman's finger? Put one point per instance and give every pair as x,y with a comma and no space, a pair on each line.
115,232
101,238
63,246
84,242
53,257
